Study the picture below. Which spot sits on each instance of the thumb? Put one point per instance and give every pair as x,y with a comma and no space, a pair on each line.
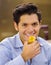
25,43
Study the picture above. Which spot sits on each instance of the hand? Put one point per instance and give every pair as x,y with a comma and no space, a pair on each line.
30,50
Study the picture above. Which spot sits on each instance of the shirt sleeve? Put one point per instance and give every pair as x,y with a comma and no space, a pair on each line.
17,61
5,57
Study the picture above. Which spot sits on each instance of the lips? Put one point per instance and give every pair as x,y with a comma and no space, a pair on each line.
28,35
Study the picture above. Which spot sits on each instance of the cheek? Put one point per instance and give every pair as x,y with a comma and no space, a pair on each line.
21,31
37,29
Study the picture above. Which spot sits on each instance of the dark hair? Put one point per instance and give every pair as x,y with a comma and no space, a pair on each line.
25,9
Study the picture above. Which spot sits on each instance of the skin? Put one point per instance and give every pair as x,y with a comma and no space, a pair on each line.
29,25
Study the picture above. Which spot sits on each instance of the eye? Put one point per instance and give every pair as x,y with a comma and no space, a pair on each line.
35,24
24,24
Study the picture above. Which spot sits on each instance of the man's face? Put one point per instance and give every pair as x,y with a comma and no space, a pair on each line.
28,26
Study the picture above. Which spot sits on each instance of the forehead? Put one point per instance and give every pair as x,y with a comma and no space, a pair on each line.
29,17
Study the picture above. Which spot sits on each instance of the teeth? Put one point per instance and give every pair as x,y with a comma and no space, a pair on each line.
29,34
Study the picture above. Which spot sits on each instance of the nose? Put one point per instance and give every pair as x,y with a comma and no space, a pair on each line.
30,29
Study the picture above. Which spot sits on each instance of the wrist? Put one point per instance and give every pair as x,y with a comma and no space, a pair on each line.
24,57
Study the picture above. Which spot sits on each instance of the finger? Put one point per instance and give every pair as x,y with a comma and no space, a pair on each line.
37,52
37,49
25,43
36,44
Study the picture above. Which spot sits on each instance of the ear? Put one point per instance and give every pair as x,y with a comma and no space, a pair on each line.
15,26
40,23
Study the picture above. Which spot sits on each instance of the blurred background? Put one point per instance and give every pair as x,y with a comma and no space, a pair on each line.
6,20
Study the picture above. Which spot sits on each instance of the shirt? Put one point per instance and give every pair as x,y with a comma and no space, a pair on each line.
11,49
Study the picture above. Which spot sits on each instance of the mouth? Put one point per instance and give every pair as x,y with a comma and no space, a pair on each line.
28,35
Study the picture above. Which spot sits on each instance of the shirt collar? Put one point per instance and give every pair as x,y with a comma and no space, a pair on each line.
18,41
41,41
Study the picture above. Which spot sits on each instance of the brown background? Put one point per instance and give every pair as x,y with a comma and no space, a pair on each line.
6,21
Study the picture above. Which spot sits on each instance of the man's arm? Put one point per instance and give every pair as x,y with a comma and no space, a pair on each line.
17,61
5,57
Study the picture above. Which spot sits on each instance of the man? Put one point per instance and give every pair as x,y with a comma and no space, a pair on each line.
16,50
